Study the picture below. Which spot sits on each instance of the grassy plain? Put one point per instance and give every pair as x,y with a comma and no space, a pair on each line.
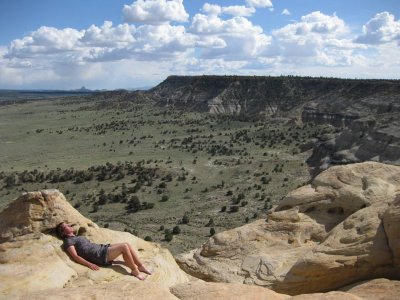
200,163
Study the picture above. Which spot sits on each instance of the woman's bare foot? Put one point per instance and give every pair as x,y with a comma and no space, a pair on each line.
145,270
138,276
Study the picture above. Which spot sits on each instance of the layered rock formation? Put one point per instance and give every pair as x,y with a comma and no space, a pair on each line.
335,98
369,138
340,229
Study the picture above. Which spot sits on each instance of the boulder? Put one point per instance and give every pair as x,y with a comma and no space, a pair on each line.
33,260
322,236
376,289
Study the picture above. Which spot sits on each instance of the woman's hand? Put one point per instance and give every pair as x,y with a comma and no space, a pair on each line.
80,260
93,266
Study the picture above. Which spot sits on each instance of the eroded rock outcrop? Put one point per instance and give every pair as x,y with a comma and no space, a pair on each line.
369,138
32,259
278,96
320,237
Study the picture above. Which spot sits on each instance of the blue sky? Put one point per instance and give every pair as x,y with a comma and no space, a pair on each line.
125,44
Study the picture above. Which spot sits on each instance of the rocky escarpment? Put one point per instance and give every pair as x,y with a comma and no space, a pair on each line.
341,228
278,95
338,102
366,139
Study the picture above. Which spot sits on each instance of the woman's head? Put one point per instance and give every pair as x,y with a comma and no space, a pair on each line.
63,230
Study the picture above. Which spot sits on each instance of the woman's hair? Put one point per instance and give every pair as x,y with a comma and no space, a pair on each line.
59,231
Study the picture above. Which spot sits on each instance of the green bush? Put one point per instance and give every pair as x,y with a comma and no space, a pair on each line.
212,231
185,219
168,237
176,230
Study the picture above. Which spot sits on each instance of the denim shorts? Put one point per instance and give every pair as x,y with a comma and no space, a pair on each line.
102,258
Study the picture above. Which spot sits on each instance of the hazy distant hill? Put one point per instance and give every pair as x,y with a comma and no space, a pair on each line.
23,95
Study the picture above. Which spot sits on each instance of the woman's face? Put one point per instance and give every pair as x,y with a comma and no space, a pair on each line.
67,229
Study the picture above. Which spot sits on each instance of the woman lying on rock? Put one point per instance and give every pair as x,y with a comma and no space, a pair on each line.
92,255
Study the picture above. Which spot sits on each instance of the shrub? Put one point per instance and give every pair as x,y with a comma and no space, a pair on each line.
185,219
176,230
168,237
212,231
134,204
234,208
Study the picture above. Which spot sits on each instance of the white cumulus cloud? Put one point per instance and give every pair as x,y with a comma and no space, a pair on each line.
314,26
285,12
382,28
107,35
259,3
45,40
238,10
316,39
218,40
211,9
155,11
233,39
234,10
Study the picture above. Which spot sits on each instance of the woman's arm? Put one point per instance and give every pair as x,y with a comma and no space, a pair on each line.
80,260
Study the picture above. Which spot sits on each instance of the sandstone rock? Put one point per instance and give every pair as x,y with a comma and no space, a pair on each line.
376,289
354,250
327,296
32,258
320,237
223,291
255,251
121,289
391,221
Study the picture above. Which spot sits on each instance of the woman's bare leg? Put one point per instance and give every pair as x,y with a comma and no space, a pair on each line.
116,250
137,261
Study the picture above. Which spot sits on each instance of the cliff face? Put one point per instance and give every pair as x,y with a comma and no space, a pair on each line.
373,138
280,96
